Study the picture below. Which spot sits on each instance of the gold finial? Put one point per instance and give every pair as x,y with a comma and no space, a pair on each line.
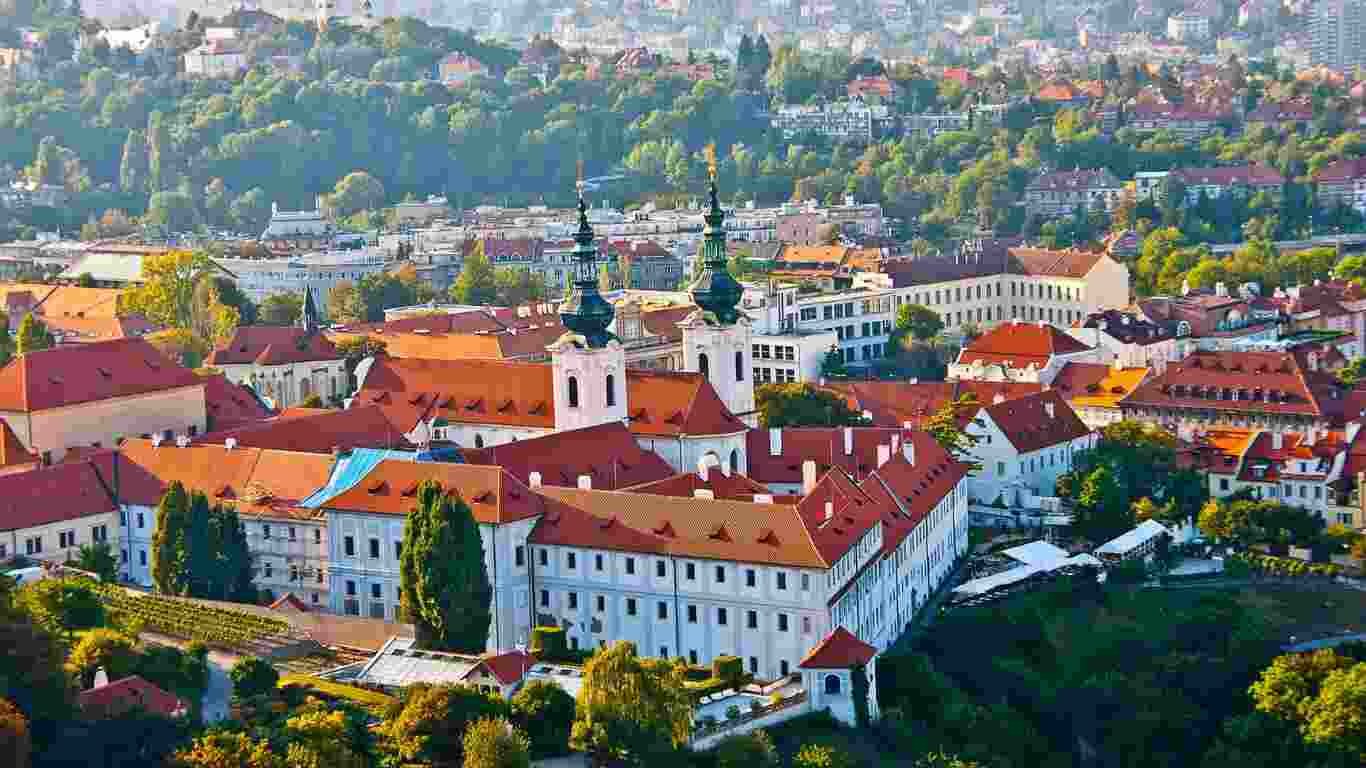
711,161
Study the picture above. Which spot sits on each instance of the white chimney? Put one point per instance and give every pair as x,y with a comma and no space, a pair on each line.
704,465
1048,409
101,678
1221,289
586,482
808,477
1117,365
534,479
703,493
1277,440
156,440
181,441
884,454
848,441
906,425
896,442
829,510
230,443
908,450
998,398
763,498
775,442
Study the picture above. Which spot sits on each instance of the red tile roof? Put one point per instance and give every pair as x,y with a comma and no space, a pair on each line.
290,603
1238,175
319,431
1261,382
823,445
1028,425
81,373
893,403
1020,344
508,667
232,405
666,404
129,694
608,453
732,486
390,488
273,345
66,491
1067,262
13,452
839,650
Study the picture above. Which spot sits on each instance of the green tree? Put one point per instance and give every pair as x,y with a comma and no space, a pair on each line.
133,167
1102,507
48,167
322,739
62,605
172,211
32,336
253,677
516,286
921,323
545,713
1353,372
32,675
1337,716
1287,687
832,367
281,309
98,558
446,592
820,756
344,304
227,749
495,743
430,727
159,160
357,191
250,211
168,540
113,651
802,405
167,294
6,341
477,283
16,743
631,710
948,426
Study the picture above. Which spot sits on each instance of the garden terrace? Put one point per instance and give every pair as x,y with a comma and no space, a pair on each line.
196,620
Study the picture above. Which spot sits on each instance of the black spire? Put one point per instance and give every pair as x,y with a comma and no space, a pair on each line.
586,312
308,315
716,291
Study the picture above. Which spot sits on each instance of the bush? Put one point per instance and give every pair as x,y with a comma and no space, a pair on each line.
252,677
733,712
494,743
548,641
728,669
820,756
545,713
750,750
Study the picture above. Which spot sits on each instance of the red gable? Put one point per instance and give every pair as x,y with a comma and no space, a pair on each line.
839,650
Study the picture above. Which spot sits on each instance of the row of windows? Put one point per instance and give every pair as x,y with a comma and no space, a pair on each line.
690,570
777,352
291,534
868,352
775,375
33,545
1027,289
374,549
782,621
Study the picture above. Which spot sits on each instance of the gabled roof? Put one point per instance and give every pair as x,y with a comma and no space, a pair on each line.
274,345
79,373
1029,426
733,486
1067,262
12,452
1020,344
608,453
738,531
1128,328
507,667
840,649
289,603
390,488
823,445
129,694
1097,385
66,491
1227,176
319,431
1236,381
893,403
58,301
232,405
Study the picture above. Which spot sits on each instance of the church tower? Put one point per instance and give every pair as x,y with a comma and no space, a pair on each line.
589,362
716,338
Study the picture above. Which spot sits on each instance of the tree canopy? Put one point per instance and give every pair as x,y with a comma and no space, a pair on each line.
445,582
631,709
802,405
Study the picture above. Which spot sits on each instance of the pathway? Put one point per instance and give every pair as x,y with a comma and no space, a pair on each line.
218,696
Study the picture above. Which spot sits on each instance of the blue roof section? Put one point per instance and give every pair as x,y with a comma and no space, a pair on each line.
351,469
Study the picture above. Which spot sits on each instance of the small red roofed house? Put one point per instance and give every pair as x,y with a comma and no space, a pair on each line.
828,672
283,363
130,694
1021,352
48,513
1025,444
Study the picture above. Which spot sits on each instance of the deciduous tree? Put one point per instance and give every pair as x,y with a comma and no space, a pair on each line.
281,309
446,590
16,744
173,517
631,710
253,677
545,713
802,405
224,749
32,336
113,651
477,283
495,743
430,727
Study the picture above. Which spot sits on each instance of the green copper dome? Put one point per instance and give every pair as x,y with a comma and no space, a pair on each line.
716,291
586,312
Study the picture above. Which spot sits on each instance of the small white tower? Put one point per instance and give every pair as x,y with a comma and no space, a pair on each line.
589,363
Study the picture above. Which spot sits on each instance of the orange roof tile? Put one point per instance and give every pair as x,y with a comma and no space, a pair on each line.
319,430
256,481
1261,381
231,405
128,694
13,452
839,650
1097,385
390,488
79,373
893,403
732,486
608,453
1028,425
1020,344
273,345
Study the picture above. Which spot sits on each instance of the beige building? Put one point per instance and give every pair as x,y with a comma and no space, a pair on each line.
49,513
284,364
93,395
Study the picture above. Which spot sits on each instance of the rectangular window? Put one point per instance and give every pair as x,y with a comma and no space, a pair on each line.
571,561
630,566
66,539
750,577
782,622
661,568
376,591
752,619
519,555
720,574
690,571
782,581
573,601
542,557
265,531
721,617
806,582
398,550
269,571
317,535
350,589
663,651
630,606
142,557
662,610
602,604
692,614
692,657
292,533
545,598
349,546
754,665
806,625
597,562
33,545
374,549
140,521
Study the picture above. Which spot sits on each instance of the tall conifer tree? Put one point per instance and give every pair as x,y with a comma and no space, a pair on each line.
446,591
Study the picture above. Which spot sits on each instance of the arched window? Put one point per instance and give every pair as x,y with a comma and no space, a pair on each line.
573,392
611,390
739,366
734,460
478,441
703,365
832,685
